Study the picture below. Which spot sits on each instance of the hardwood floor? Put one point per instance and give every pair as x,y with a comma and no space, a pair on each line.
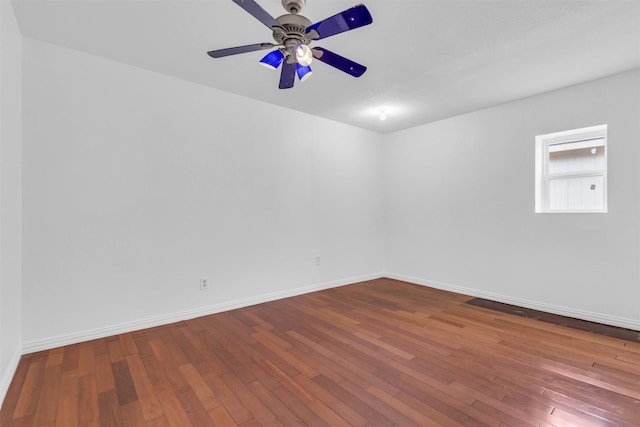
378,353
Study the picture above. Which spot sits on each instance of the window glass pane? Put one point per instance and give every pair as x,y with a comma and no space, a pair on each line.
580,160
576,194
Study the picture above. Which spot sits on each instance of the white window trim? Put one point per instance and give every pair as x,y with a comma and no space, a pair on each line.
594,136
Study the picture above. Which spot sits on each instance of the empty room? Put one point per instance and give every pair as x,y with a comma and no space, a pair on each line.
319,213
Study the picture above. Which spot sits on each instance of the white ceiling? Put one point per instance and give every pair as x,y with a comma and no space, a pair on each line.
427,60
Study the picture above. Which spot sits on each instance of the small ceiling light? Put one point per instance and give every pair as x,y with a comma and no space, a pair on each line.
272,60
304,72
593,150
382,114
303,54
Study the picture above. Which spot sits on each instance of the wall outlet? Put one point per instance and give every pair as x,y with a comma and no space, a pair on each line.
204,283
317,260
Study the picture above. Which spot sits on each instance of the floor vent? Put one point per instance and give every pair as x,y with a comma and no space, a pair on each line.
570,322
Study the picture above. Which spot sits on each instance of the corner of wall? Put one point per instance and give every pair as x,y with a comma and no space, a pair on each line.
10,196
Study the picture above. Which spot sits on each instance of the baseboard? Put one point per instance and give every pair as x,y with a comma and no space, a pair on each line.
62,340
7,376
549,308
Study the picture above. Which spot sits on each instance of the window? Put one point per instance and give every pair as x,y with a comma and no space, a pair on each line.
571,171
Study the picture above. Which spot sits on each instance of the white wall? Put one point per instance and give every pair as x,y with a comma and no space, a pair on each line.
10,195
460,203
135,184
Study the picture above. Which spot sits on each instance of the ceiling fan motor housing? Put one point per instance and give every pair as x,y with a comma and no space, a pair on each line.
293,32
293,6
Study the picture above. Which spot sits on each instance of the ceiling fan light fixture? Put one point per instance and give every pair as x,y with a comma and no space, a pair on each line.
303,71
272,60
292,34
303,54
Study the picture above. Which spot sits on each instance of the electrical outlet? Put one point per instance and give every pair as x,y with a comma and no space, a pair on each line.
204,283
317,260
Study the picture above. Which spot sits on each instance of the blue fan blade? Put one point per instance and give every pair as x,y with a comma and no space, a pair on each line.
339,62
257,12
239,49
356,17
288,75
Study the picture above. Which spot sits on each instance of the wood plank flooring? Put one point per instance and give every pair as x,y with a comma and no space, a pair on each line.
377,353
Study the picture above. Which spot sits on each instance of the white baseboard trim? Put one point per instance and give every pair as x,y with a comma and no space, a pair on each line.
535,305
7,376
62,340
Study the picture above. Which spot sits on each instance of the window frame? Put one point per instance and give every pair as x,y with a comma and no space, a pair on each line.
585,138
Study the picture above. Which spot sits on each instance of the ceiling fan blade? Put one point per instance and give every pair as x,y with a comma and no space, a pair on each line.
339,62
257,12
356,17
239,49
288,75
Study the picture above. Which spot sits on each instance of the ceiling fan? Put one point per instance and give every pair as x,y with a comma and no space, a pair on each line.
294,33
